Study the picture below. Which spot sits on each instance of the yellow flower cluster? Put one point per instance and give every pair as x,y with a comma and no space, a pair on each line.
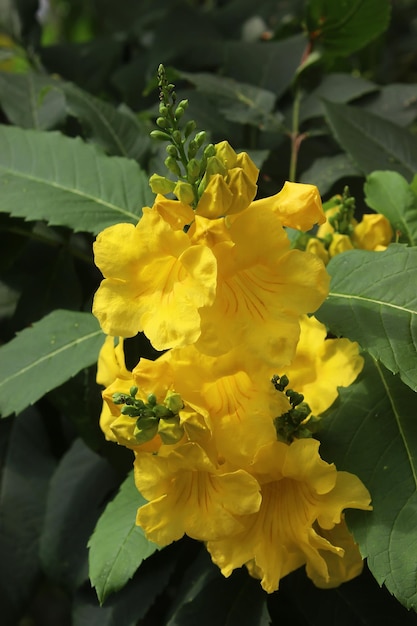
373,232
220,289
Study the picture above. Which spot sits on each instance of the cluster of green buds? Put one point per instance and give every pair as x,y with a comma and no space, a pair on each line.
342,219
298,422
151,417
184,145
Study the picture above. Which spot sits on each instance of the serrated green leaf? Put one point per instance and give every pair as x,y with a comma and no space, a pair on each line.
373,300
86,479
118,546
118,132
132,603
373,143
390,194
334,87
30,101
27,468
271,65
397,101
73,184
44,356
347,25
371,432
325,171
239,102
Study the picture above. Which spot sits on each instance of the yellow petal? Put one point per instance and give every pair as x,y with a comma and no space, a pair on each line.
373,231
297,205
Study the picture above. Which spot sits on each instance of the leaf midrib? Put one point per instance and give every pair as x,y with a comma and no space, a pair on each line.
50,355
72,190
398,421
335,294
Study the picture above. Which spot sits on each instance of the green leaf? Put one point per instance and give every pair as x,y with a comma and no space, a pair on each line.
207,598
44,356
371,432
335,87
271,65
27,468
373,143
390,194
72,185
118,132
86,479
137,599
118,546
397,101
347,25
239,102
373,300
325,171
30,101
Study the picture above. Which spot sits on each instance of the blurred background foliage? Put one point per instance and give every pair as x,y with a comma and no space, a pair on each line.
88,69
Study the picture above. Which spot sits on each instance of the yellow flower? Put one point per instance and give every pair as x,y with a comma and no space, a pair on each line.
316,246
229,183
297,205
110,368
263,288
235,395
189,494
322,365
302,496
373,232
155,280
339,570
340,243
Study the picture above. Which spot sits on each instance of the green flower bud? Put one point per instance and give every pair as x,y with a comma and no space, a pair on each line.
209,151
162,122
172,165
145,429
163,109
170,431
184,192
131,410
158,134
192,149
215,166
176,136
133,391
188,128
161,411
172,151
119,398
182,105
193,170
152,399
174,402
160,184
200,138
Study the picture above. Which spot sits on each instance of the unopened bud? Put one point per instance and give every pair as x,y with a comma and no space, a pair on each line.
193,170
172,165
160,184
158,134
188,128
162,122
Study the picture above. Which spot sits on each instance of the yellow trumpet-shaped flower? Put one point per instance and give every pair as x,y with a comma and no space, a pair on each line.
374,232
155,280
303,498
322,365
236,397
263,288
189,494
